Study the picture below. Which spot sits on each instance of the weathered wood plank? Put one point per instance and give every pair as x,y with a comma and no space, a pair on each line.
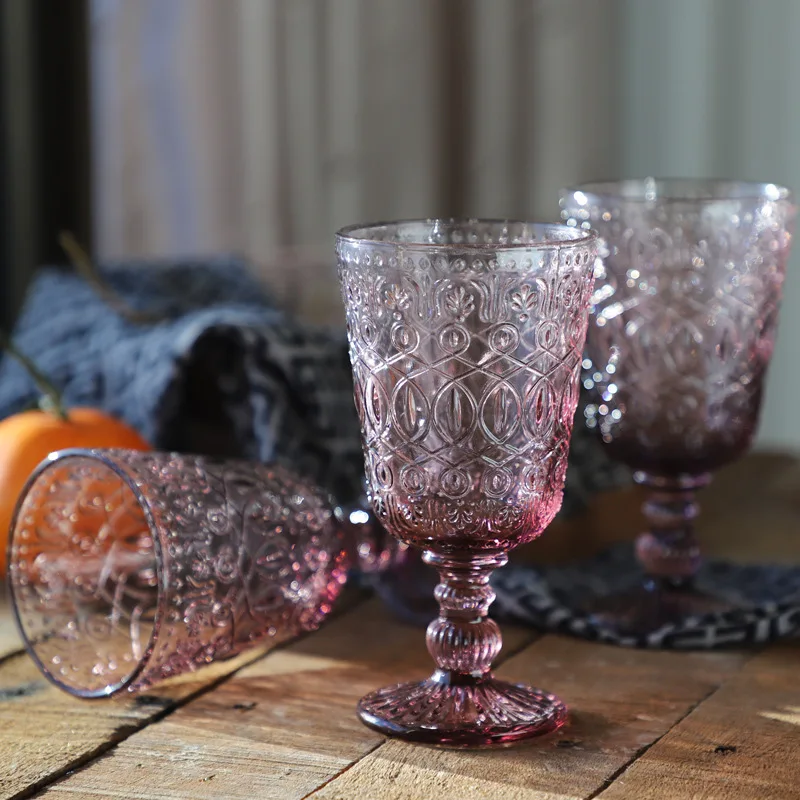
44,731
279,729
302,731
743,742
621,701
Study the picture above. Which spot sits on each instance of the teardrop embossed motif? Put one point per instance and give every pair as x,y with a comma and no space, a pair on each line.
548,336
376,404
413,479
577,330
504,338
540,405
454,483
369,332
569,291
383,474
569,401
453,339
404,338
496,483
500,412
271,558
454,413
410,410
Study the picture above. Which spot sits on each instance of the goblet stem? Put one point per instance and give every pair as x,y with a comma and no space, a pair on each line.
670,558
668,551
463,641
462,704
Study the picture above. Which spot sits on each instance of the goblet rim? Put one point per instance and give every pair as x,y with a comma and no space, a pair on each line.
56,457
666,190
572,237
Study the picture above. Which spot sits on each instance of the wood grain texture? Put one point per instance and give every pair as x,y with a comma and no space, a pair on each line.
44,731
742,743
621,701
278,729
285,727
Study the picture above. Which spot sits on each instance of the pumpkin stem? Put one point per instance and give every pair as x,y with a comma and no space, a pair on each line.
87,270
51,397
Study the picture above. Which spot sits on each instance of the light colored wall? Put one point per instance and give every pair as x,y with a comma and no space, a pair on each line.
264,125
261,125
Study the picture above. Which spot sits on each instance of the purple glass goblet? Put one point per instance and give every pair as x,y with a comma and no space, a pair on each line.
465,342
127,568
681,331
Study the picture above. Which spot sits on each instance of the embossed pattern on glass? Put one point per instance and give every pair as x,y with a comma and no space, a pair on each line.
127,568
681,331
465,342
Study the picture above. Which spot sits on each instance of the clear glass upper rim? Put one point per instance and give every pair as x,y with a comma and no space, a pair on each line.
543,235
104,459
679,190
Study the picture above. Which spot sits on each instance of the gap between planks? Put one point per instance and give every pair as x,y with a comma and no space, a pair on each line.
295,727
742,743
639,753
301,738
45,733
621,702
506,653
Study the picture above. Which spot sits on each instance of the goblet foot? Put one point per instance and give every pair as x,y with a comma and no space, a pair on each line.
454,710
654,604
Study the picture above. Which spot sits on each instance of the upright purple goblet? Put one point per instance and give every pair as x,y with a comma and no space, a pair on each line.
681,332
465,341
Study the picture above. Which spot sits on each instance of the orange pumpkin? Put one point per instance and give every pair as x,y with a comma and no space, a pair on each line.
27,438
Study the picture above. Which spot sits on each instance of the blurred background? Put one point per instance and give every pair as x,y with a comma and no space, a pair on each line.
177,127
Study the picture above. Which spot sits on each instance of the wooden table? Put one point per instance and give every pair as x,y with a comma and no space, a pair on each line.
281,725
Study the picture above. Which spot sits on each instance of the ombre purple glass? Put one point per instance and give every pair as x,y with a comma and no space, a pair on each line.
681,331
127,568
465,342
